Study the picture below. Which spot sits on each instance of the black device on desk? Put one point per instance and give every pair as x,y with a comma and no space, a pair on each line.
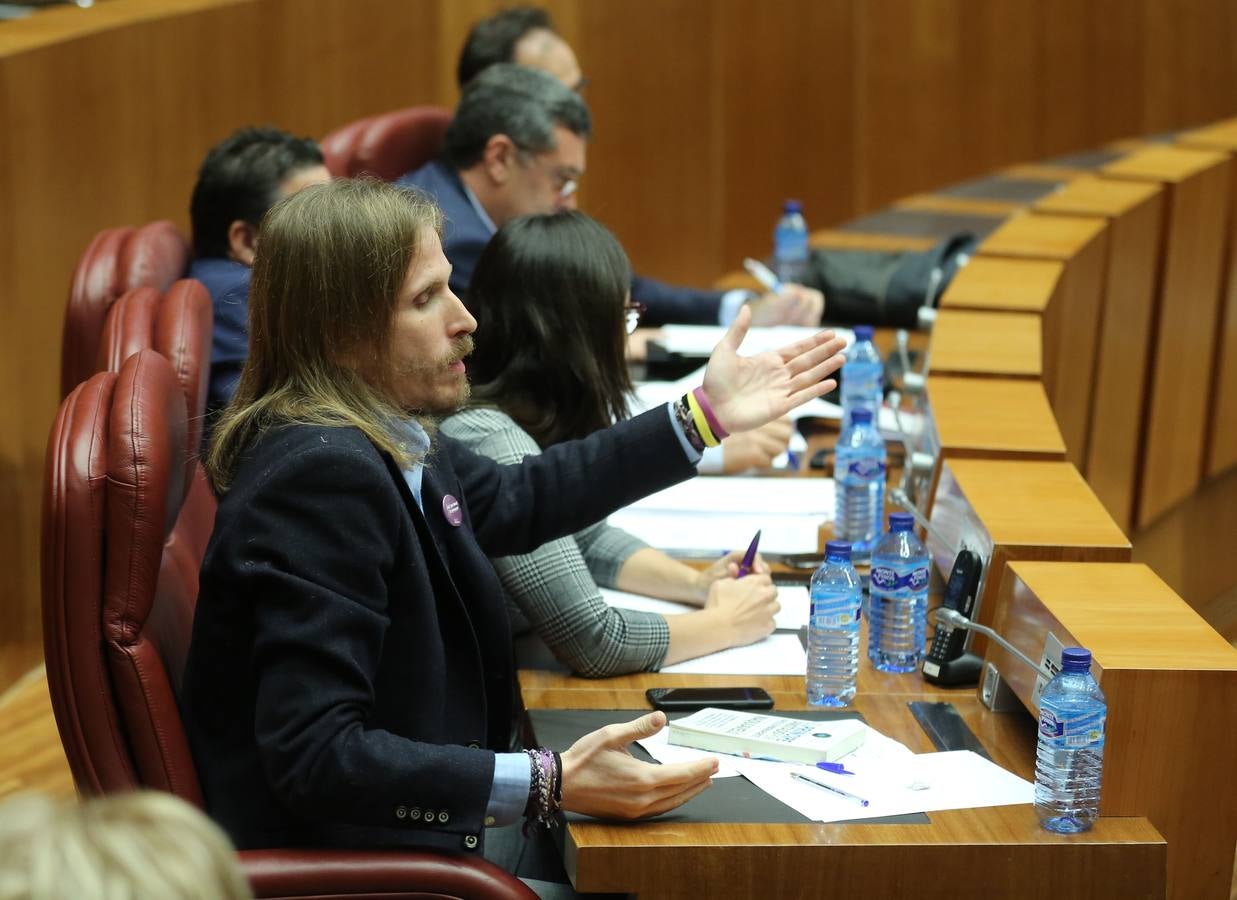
946,664
691,698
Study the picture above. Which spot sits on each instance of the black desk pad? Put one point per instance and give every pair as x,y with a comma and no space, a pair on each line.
732,799
1011,190
924,223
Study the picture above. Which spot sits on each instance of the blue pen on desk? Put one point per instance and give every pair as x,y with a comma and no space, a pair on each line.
835,768
828,787
763,274
749,558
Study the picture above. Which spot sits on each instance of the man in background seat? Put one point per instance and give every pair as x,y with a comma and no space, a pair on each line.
523,35
240,179
517,146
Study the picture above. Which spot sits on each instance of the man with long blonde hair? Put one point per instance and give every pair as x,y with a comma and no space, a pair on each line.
349,680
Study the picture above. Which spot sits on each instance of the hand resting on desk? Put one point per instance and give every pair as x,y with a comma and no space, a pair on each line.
756,449
601,778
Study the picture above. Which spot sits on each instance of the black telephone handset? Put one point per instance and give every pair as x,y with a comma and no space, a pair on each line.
946,663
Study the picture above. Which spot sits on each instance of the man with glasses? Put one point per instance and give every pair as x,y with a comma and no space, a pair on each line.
517,146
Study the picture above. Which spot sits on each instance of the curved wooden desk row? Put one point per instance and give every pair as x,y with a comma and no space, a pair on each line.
1043,368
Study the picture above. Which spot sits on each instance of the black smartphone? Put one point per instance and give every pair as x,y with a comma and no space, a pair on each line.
690,698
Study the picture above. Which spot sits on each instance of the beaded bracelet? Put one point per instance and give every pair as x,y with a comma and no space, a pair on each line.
545,788
683,415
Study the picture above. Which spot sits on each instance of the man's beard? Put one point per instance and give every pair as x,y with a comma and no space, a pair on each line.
429,373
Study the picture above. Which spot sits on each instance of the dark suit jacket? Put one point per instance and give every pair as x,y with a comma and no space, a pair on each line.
466,236
350,672
227,282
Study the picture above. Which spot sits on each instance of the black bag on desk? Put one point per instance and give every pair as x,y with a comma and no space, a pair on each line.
875,287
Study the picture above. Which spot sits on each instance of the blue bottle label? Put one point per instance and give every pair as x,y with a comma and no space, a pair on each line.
834,611
887,579
1071,732
867,469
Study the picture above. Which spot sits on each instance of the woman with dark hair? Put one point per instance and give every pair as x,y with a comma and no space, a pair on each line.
551,297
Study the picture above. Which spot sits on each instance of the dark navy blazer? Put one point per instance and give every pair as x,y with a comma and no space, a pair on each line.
467,234
227,281
350,673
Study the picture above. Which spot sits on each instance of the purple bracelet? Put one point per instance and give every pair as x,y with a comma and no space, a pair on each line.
709,416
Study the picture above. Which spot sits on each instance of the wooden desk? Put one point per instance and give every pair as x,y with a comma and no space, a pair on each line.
1002,850
986,344
1222,422
833,239
1196,185
1071,319
1171,685
1135,213
1011,510
989,418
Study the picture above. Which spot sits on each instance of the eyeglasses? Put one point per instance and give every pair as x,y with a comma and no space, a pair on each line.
566,180
634,312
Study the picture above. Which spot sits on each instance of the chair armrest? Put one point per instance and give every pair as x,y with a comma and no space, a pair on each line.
360,873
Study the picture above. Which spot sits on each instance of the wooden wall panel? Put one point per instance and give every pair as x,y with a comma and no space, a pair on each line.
656,150
786,128
708,113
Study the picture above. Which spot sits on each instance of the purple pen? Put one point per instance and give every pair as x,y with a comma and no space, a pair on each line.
749,558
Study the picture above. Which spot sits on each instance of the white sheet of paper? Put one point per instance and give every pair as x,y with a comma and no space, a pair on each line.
715,533
699,340
778,654
745,495
795,601
653,393
919,783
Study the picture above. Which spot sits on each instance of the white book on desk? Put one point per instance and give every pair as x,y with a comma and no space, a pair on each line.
768,737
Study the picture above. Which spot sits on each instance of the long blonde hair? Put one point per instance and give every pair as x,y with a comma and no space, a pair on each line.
121,846
330,262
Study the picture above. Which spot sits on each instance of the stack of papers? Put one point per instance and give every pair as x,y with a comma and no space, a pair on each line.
795,600
714,515
886,774
699,340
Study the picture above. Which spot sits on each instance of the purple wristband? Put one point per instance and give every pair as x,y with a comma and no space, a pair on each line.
714,425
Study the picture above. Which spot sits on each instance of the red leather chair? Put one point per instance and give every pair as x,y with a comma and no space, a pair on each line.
116,260
118,605
388,145
339,147
177,325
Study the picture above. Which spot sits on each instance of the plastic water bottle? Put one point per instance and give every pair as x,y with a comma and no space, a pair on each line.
863,376
898,606
1071,746
790,250
859,484
833,629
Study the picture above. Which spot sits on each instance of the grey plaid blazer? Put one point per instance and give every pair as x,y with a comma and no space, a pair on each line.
554,588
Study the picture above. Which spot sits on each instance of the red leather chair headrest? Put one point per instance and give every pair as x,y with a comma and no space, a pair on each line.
398,142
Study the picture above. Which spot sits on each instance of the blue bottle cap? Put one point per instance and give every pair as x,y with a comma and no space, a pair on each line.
1076,659
792,206
863,332
837,548
861,416
901,522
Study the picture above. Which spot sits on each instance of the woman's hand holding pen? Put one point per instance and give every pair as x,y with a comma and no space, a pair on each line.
728,567
744,607
745,392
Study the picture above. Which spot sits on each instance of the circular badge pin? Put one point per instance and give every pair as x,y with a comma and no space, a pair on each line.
451,509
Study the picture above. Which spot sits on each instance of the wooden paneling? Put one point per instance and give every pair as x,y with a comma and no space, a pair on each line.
1004,285
707,115
1134,213
986,344
1197,188
1222,421
993,418
1071,321
1171,684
